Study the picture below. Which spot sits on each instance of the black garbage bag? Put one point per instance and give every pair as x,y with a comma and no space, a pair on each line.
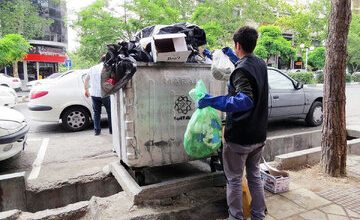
113,81
139,54
120,65
145,32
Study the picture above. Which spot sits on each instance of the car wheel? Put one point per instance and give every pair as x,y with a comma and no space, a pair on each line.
75,119
315,114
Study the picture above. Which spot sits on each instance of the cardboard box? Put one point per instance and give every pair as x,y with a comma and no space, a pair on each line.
169,48
275,184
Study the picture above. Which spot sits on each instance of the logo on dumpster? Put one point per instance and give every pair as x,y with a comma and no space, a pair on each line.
183,105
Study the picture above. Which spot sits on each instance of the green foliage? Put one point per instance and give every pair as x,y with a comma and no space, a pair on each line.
21,17
319,78
317,58
221,18
79,62
348,78
272,43
356,77
353,59
97,28
307,22
13,47
152,13
303,77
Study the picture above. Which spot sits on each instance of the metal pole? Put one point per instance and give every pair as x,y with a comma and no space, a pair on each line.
306,58
37,70
26,77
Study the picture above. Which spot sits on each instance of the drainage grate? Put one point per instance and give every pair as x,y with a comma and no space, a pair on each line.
348,198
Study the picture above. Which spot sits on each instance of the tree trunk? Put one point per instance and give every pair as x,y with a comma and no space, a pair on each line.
15,69
333,145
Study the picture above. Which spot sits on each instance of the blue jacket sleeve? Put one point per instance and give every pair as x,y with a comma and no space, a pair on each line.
238,103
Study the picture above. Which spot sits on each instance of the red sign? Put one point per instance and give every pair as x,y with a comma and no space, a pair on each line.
45,58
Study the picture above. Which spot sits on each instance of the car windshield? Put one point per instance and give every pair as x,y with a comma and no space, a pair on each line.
54,75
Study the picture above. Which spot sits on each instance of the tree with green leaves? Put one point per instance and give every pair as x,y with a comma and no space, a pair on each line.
271,43
153,12
13,48
317,58
97,27
22,17
221,18
353,58
306,22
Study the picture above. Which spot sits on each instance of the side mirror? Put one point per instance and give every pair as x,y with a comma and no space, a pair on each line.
299,85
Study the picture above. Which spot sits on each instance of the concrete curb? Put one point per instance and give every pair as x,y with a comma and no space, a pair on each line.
72,211
354,146
283,144
298,159
164,190
12,191
10,215
311,156
353,131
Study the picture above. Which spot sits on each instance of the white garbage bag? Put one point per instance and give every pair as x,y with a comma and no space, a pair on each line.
221,67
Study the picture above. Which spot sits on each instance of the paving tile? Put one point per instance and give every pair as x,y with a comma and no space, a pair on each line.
293,186
352,214
268,194
296,217
305,198
337,217
314,215
280,207
334,209
348,198
355,218
269,217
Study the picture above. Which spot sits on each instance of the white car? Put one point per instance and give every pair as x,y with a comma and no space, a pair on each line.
62,99
9,81
38,82
13,130
8,96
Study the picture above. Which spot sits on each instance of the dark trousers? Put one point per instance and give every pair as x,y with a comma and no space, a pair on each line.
97,104
235,158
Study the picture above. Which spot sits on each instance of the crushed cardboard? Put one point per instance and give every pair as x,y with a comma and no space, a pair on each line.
169,48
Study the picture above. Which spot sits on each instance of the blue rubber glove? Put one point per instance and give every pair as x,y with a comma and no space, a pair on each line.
231,54
207,53
238,103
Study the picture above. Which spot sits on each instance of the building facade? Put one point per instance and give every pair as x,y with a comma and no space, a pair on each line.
49,51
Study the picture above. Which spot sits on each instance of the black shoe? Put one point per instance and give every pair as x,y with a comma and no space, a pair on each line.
97,133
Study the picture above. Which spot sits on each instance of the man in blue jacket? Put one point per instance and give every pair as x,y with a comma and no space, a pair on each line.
246,106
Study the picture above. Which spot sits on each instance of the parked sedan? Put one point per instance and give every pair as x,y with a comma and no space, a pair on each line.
62,99
13,130
33,83
291,99
8,96
9,81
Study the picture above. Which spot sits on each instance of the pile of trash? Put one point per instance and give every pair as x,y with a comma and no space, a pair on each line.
180,42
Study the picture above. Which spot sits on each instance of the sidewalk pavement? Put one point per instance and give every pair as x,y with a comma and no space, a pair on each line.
329,201
300,204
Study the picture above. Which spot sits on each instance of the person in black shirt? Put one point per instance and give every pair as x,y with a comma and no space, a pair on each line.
246,106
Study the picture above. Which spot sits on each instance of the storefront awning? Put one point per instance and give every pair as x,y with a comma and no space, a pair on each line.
45,58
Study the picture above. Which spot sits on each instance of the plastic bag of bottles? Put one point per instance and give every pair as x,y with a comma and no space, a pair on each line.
203,133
